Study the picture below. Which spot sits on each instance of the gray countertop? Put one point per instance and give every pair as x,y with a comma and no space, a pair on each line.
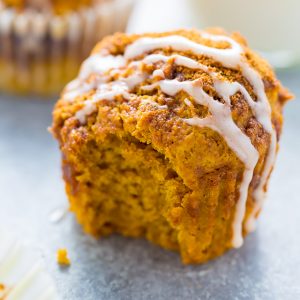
266,267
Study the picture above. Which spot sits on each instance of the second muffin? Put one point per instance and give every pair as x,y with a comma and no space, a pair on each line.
42,43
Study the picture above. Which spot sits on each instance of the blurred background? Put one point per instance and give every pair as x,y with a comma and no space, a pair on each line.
40,51
43,42
270,26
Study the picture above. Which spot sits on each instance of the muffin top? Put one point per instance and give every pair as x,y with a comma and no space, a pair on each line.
58,6
164,87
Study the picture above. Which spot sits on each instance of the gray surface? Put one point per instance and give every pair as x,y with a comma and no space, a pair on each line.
266,267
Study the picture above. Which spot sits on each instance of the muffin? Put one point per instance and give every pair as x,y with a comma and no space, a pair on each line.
172,137
43,42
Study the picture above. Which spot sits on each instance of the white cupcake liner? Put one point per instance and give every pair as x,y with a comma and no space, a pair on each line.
22,272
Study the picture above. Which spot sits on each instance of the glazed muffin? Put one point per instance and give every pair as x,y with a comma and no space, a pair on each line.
172,137
43,42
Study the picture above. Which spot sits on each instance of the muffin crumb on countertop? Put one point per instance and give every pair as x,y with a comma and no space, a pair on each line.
62,257
3,291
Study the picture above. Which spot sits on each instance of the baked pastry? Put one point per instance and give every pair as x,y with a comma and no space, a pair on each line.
172,137
43,42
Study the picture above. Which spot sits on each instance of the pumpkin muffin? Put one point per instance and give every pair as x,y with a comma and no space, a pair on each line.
172,137
43,42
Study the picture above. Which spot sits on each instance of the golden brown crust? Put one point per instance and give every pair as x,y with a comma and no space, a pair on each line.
140,170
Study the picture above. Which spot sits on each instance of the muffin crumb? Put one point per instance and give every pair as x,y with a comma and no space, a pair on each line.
62,257
3,291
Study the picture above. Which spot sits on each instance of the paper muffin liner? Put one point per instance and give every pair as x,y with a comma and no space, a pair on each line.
41,52
22,274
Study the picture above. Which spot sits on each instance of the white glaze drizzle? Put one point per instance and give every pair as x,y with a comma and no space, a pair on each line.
188,102
220,119
227,56
158,74
96,64
104,92
99,64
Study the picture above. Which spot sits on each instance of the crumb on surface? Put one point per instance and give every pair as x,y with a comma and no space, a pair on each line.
62,257
3,291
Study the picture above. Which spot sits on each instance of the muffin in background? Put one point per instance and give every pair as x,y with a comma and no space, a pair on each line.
43,42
